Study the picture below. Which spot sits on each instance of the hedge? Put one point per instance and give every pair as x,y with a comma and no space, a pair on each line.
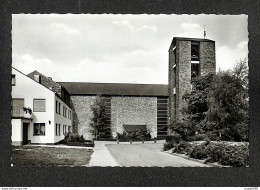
224,154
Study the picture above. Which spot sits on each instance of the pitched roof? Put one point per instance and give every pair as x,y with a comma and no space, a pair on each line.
83,88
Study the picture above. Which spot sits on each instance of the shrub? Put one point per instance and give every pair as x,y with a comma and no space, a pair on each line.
199,152
182,148
224,154
72,137
199,137
215,151
174,138
168,146
236,156
213,135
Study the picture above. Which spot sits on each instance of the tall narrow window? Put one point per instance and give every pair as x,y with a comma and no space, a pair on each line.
59,108
64,111
57,127
13,80
57,111
39,105
64,129
195,60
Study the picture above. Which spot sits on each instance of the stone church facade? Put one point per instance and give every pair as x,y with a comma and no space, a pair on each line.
127,105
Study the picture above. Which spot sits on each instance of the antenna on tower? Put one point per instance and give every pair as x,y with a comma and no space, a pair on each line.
204,32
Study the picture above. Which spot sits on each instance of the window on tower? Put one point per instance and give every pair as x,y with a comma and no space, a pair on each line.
195,60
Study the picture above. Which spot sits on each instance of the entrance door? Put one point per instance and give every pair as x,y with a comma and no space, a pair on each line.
25,133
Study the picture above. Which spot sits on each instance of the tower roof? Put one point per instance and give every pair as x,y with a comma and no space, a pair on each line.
188,39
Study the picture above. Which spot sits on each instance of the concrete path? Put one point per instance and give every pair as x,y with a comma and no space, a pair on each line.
101,156
148,155
137,154
58,146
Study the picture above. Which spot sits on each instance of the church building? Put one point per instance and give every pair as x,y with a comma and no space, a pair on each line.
128,106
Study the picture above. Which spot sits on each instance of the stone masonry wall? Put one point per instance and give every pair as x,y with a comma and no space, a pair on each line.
134,111
183,75
207,58
82,115
171,82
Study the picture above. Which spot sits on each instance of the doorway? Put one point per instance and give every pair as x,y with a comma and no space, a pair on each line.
25,133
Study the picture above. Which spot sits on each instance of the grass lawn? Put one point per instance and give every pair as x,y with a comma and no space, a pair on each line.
49,156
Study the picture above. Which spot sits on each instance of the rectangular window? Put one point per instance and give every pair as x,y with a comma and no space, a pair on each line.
69,129
13,80
69,114
37,78
57,111
59,108
18,103
64,129
39,105
64,111
57,127
195,60
39,129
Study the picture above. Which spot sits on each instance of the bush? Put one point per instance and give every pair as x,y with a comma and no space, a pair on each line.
72,137
199,152
224,154
168,146
135,135
182,148
199,137
174,138
236,156
213,135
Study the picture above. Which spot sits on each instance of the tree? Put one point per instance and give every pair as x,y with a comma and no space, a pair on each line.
228,103
197,106
218,105
98,121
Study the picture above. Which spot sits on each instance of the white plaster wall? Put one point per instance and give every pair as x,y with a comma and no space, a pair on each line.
17,130
29,89
60,119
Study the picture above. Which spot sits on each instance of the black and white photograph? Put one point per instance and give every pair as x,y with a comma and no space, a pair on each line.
125,90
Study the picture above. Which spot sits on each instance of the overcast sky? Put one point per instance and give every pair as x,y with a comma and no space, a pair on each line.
117,48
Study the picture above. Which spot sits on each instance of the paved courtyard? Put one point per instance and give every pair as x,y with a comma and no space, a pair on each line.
137,154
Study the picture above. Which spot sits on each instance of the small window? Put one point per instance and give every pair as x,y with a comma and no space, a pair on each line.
57,129
37,78
39,105
64,111
64,129
13,80
174,90
39,129
69,114
59,108
69,129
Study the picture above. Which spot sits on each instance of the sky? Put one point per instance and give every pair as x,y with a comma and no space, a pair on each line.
111,48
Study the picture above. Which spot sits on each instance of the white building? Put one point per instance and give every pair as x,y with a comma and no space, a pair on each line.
39,115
